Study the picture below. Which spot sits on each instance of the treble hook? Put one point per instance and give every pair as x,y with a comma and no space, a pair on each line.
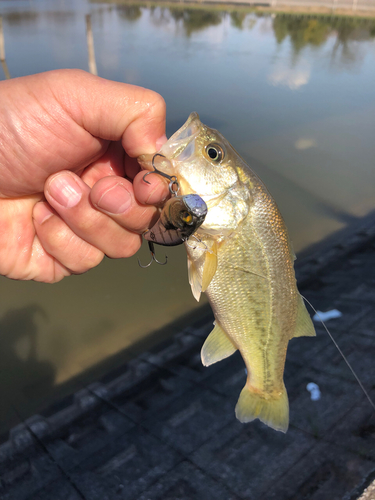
153,258
172,178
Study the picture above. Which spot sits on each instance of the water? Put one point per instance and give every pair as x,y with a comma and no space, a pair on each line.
295,96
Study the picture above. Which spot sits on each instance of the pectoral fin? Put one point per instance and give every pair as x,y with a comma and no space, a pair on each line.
194,280
217,346
304,325
210,266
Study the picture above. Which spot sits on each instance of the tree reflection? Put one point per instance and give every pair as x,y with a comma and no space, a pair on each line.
129,12
302,31
237,18
196,19
31,17
313,31
160,16
344,52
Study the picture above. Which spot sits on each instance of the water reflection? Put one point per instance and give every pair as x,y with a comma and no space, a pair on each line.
237,19
30,18
196,19
129,12
302,32
21,18
293,77
307,31
21,369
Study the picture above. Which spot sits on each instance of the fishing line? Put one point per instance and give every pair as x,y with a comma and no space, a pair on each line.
324,326
230,265
342,354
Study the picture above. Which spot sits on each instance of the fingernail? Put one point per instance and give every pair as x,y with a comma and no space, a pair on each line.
161,141
115,200
42,212
65,191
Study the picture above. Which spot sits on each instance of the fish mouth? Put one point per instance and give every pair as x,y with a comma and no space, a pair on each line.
180,145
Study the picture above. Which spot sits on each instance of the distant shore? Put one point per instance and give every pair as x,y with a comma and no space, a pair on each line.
347,8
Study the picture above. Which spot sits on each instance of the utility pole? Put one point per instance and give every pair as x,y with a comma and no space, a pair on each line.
90,46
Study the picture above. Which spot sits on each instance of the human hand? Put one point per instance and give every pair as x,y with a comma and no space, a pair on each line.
74,137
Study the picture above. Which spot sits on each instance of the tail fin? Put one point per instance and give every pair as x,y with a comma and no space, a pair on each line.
273,412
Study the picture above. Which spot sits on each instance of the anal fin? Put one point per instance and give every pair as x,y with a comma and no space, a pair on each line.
217,346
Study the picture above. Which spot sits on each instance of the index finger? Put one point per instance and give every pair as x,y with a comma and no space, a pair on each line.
112,110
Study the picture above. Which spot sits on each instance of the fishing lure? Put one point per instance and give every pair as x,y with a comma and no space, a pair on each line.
180,218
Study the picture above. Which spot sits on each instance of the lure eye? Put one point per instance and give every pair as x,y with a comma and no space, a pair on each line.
215,152
187,218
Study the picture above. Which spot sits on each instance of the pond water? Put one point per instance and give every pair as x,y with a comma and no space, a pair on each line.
294,95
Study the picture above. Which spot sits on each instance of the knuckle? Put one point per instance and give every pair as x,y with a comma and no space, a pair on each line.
158,103
154,99
156,106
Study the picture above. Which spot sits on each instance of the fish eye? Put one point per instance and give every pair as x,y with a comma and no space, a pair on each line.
215,152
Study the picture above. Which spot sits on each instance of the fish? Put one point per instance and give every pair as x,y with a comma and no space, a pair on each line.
241,257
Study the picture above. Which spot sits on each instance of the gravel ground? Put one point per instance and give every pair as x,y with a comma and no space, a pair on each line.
369,493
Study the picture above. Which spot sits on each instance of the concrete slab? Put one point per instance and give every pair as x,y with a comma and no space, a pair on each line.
187,482
57,490
124,468
356,432
26,467
69,445
191,420
327,472
248,458
337,398
151,396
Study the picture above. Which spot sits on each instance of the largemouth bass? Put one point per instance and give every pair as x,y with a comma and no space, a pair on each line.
242,258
